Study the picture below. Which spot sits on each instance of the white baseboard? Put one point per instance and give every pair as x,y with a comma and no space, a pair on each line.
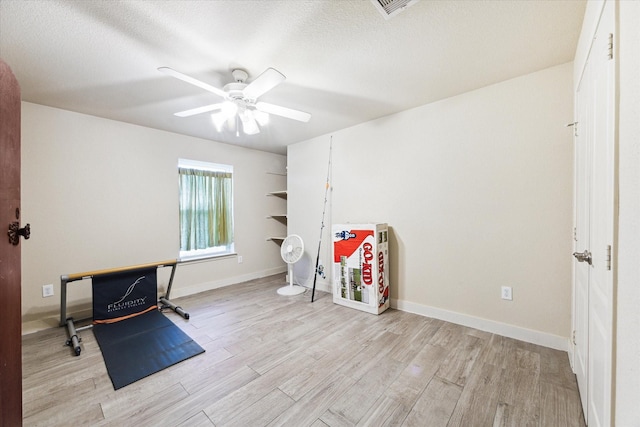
32,326
498,328
323,285
52,320
186,291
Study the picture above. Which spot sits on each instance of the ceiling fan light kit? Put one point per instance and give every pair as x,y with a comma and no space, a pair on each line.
240,105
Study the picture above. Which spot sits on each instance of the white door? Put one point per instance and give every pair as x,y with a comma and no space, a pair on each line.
581,270
601,235
595,224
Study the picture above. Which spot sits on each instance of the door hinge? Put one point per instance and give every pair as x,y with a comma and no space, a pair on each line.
575,127
575,234
573,337
608,257
610,47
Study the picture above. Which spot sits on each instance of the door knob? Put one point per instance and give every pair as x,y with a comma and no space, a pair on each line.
15,232
583,256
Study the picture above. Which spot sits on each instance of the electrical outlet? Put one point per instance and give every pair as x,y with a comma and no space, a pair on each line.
47,290
506,293
239,259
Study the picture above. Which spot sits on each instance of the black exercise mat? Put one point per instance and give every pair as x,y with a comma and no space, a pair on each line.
143,345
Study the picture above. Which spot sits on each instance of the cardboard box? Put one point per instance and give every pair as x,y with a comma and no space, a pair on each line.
361,266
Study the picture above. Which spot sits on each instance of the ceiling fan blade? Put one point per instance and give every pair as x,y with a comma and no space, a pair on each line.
191,80
199,110
283,111
266,81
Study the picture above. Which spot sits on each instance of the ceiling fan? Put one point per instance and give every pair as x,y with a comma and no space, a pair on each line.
240,101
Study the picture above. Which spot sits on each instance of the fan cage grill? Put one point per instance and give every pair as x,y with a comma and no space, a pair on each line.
390,8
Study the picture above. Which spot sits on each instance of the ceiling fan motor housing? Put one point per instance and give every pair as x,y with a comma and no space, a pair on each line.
234,90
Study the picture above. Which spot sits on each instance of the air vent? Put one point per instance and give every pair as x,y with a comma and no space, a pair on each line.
390,8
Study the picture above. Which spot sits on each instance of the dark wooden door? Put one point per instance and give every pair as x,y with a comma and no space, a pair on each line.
10,295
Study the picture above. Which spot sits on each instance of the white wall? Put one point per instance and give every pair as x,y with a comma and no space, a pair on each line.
101,194
477,190
627,377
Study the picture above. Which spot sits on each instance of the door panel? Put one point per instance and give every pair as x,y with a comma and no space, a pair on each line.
581,270
594,198
601,230
10,314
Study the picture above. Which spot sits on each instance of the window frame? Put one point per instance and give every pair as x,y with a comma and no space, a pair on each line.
214,251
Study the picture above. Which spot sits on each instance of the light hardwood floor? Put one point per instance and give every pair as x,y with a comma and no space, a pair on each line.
272,360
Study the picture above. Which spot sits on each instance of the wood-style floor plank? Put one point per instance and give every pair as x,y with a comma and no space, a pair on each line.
272,360
436,404
263,411
560,406
198,420
385,412
416,375
479,398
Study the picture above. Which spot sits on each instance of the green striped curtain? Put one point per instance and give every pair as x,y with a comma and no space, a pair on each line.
206,218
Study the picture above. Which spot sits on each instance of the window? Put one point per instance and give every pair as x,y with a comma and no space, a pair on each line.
206,209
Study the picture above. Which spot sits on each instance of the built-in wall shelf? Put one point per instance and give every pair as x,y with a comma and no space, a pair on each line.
279,217
279,206
282,194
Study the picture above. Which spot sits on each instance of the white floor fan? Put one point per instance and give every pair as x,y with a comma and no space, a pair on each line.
291,251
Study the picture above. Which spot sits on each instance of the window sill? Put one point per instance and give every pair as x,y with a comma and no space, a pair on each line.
206,257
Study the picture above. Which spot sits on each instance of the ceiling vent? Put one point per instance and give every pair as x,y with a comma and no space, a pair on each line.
390,8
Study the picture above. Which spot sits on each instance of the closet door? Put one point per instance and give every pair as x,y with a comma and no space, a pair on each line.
581,270
602,228
595,208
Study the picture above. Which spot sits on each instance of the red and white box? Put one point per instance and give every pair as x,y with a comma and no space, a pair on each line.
361,266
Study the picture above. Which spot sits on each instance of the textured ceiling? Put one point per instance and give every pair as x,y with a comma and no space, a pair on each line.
345,64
